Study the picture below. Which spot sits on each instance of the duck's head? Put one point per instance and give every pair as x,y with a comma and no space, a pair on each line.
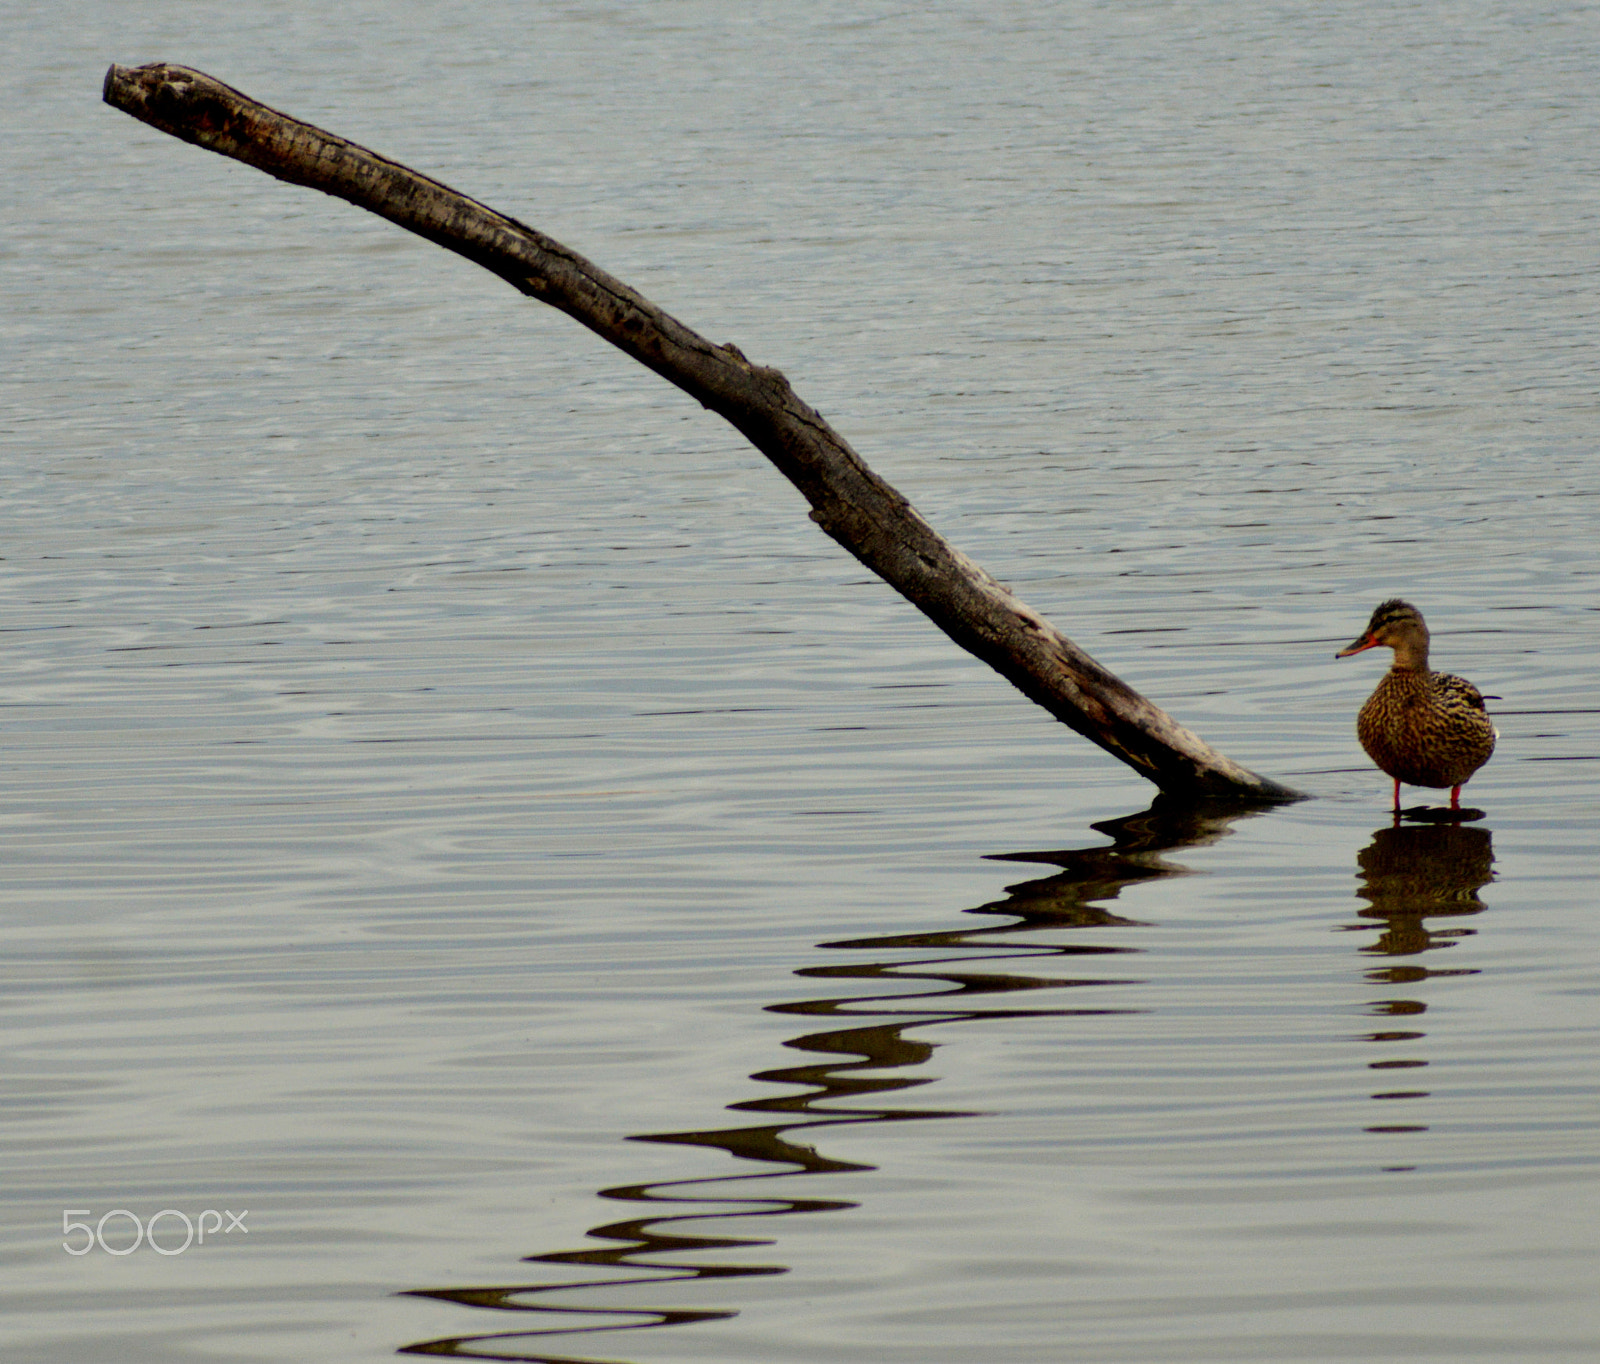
1396,625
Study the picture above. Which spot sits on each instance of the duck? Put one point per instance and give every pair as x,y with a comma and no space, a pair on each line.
1420,727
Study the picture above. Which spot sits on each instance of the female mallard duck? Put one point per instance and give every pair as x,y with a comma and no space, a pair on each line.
1421,727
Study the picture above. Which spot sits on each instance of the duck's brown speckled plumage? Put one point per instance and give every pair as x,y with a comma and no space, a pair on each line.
1421,727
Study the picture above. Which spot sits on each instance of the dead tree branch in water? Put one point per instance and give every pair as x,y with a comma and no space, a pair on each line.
851,503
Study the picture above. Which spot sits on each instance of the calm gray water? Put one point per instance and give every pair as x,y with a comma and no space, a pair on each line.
461,819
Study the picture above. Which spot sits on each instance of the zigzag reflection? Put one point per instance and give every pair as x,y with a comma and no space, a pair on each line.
659,1241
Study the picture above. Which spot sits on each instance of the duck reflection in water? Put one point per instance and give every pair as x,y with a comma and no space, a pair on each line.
863,1050
1411,874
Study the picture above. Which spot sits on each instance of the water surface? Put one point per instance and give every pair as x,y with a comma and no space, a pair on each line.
459,810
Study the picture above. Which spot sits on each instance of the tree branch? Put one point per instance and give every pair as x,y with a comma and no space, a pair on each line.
850,502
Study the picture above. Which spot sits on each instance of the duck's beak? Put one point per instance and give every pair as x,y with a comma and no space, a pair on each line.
1359,646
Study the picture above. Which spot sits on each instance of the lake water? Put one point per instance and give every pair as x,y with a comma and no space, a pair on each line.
463,822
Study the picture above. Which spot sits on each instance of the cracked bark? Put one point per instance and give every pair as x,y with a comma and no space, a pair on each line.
849,502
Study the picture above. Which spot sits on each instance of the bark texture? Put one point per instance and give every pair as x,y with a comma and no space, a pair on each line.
851,503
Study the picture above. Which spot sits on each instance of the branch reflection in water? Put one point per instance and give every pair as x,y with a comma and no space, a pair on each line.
974,966
1412,873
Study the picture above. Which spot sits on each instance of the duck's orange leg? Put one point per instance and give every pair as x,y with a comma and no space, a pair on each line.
1455,797
1397,795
